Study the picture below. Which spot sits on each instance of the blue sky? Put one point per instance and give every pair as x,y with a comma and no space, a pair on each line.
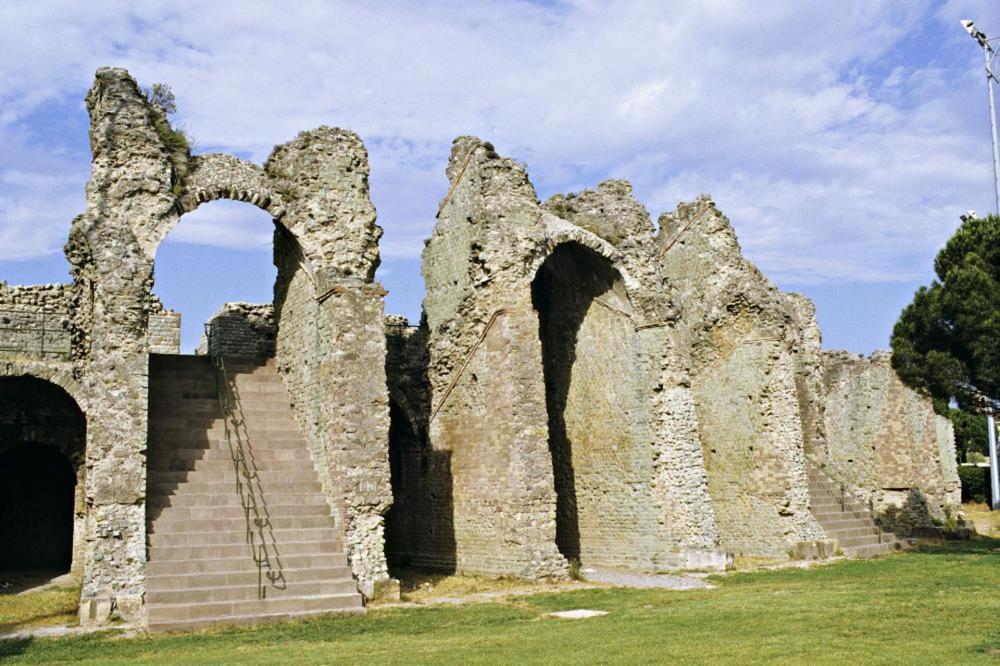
843,139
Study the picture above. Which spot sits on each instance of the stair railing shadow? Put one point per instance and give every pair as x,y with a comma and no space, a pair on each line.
259,529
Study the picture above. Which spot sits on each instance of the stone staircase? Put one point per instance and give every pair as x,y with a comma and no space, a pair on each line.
201,570
846,519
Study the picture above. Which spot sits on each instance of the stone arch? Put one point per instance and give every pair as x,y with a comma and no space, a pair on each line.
51,373
43,435
599,424
220,176
559,232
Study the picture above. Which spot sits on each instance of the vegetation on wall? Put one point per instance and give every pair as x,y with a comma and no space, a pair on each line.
162,104
914,514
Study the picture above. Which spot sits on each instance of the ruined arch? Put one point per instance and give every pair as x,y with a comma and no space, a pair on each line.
598,422
43,433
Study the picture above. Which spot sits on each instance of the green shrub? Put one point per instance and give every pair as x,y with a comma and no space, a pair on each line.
975,484
914,514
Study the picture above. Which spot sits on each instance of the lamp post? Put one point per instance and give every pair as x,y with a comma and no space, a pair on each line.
988,54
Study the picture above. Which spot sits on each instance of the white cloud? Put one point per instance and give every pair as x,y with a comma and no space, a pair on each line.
230,224
841,145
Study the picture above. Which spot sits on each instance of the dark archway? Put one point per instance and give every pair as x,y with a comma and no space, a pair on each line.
594,414
37,487
42,443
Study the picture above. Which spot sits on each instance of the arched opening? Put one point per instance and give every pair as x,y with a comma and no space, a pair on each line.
42,443
597,419
220,253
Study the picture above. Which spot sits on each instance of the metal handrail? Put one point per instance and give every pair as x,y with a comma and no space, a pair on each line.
844,491
258,522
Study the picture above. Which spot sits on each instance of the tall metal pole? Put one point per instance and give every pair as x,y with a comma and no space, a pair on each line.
990,422
994,481
984,42
988,52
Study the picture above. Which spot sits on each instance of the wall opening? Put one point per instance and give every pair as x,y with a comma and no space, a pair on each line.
596,419
42,442
222,252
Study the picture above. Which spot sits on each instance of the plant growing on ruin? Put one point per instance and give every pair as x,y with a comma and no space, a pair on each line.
913,515
945,342
162,103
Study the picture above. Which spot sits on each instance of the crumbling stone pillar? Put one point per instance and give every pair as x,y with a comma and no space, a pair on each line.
129,191
331,339
748,381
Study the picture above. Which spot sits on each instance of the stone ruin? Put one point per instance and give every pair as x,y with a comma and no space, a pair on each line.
584,386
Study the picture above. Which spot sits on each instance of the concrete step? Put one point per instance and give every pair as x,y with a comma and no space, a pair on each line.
161,443
221,525
315,507
221,452
244,563
850,532
170,424
178,553
827,516
158,487
237,535
224,466
217,610
850,543
241,578
251,592
231,499
228,475
244,620
874,550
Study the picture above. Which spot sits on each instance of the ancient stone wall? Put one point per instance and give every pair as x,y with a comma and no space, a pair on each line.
528,369
744,340
164,329
143,179
883,438
35,321
245,330
418,526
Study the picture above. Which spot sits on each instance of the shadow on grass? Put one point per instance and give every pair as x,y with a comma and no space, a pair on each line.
973,546
13,647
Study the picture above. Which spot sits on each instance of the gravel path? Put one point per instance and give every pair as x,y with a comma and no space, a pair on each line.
637,580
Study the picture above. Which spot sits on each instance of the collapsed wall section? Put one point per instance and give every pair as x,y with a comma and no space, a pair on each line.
884,438
743,337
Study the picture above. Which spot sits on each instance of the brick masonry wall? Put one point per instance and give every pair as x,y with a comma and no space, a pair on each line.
35,321
245,330
164,329
883,438
749,378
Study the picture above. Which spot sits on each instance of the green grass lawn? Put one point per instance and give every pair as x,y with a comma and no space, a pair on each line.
939,604
52,606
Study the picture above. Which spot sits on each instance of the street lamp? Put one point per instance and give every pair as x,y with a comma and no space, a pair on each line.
989,53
